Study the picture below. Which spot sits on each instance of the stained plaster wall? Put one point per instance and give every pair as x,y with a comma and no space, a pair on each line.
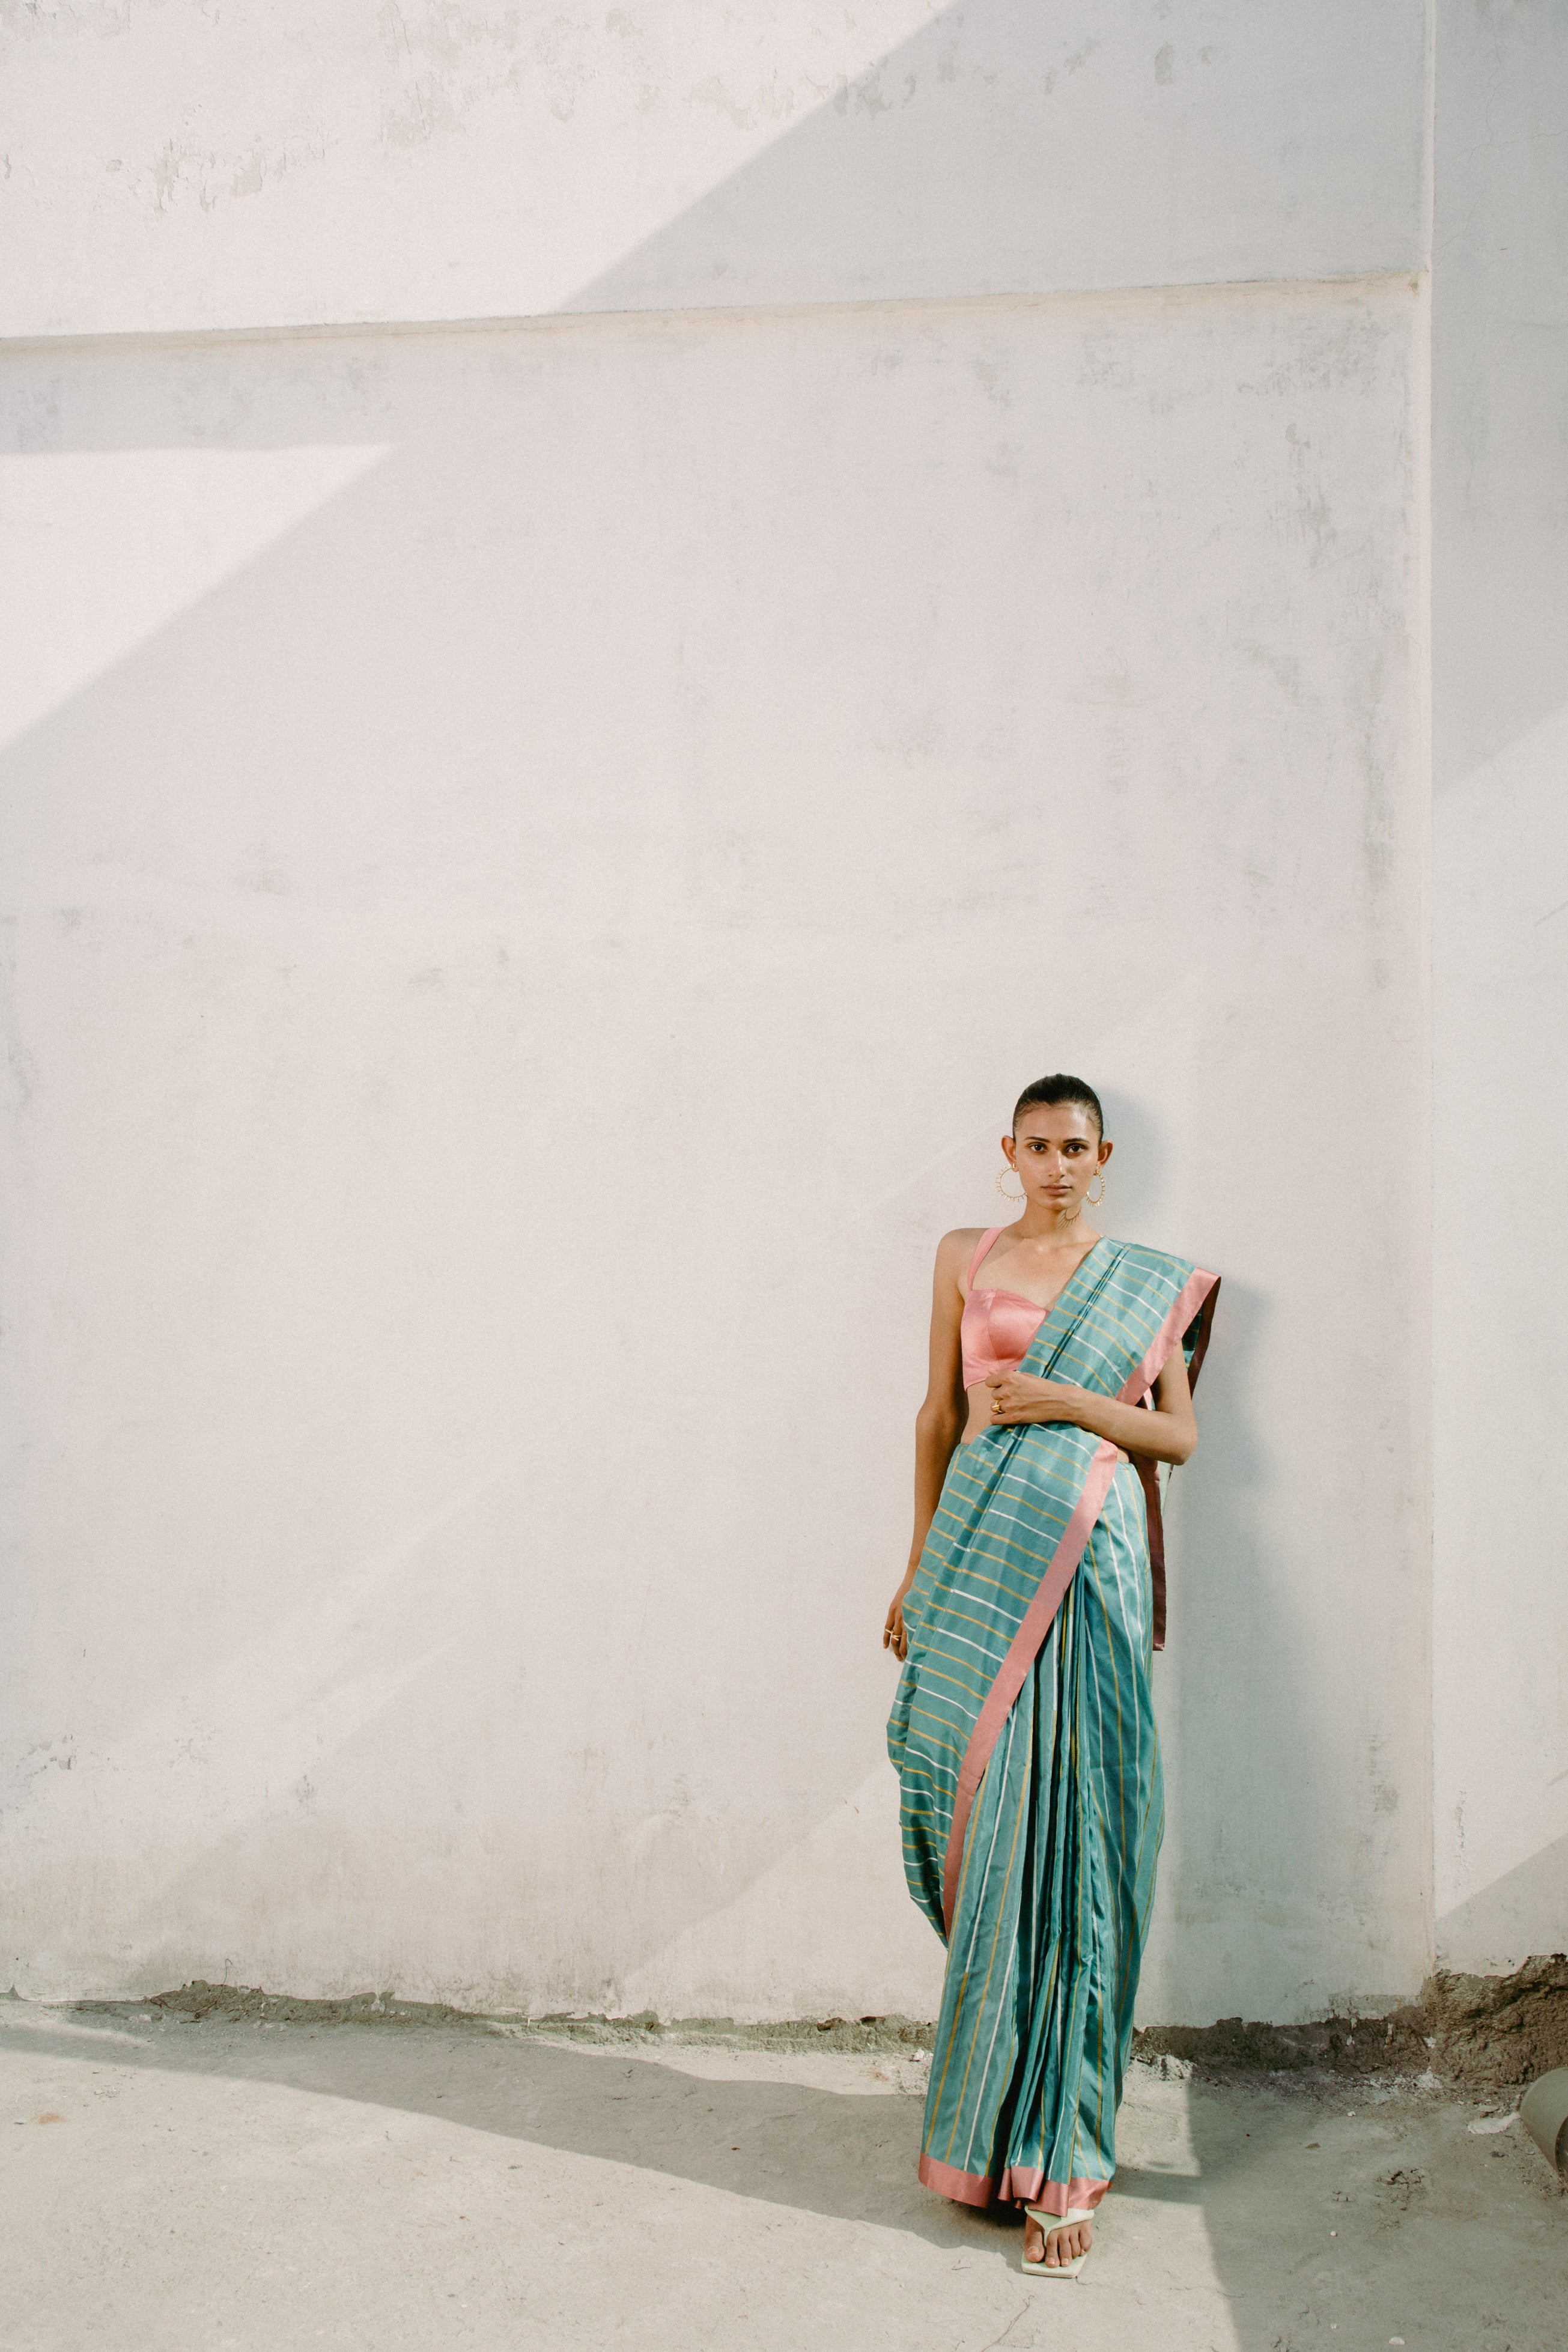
538,854
1500,970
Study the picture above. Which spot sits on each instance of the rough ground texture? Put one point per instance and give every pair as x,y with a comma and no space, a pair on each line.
1479,2032
248,2004
227,2172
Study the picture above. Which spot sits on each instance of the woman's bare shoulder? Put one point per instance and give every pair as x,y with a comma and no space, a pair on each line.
957,1248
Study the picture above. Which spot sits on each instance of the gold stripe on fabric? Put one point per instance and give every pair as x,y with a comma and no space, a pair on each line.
1046,2006
973,1576
1003,1559
934,1674
936,1724
952,2038
963,1984
990,1966
1116,1685
986,1625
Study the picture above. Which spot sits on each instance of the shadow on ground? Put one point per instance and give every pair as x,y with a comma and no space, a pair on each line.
840,2154
836,2154
1278,2210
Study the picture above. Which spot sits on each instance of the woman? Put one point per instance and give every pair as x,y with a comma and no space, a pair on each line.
1022,1731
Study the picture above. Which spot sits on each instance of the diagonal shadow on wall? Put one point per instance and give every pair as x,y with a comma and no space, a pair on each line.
1501,1922
357,756
1018,146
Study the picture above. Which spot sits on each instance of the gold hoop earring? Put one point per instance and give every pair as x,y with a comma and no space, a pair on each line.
1014,1199
1089,1197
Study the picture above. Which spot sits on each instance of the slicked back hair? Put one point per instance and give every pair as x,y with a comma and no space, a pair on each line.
1059,1089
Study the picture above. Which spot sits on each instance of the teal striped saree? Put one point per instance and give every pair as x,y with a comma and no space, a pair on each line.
1023,1734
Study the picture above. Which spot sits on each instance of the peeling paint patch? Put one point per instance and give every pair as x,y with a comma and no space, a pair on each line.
768,104
178,174
425,110
45,1756
988,375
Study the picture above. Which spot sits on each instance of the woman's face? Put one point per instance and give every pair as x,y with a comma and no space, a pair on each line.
1057,1150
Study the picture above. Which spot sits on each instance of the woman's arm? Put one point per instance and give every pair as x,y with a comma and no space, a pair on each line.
940,1420
1169,1434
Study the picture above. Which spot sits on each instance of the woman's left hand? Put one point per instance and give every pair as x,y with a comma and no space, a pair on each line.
1015,1398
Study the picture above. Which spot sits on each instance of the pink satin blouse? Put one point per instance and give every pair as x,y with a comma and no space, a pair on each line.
998,1325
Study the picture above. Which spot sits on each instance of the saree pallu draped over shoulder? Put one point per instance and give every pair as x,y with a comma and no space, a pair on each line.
1023,1734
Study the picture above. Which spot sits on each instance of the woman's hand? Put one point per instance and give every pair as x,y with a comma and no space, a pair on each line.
1015,1398
1167,1434
894,1636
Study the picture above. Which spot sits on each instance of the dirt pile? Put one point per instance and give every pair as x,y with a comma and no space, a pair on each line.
1394,2044
1494,2031
1479,2033
1476,2032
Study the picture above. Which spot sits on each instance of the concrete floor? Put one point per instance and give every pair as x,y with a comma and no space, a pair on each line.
172,2184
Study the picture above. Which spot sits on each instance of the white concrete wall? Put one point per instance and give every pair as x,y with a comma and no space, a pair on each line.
1500,974
537,860
178,165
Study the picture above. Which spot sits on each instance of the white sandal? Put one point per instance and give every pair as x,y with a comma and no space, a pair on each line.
1049,2221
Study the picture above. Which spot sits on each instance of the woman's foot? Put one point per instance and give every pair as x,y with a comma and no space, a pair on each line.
1057,2245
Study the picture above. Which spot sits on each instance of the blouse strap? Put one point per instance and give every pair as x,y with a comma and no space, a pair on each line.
986,1238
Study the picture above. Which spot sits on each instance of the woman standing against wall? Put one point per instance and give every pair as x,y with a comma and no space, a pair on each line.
1022,1731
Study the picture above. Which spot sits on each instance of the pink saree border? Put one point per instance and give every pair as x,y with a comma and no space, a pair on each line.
1188,1300
1025,1644
1022,2184
1148,1469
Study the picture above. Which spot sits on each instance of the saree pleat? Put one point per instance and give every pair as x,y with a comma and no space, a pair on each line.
1046,1886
